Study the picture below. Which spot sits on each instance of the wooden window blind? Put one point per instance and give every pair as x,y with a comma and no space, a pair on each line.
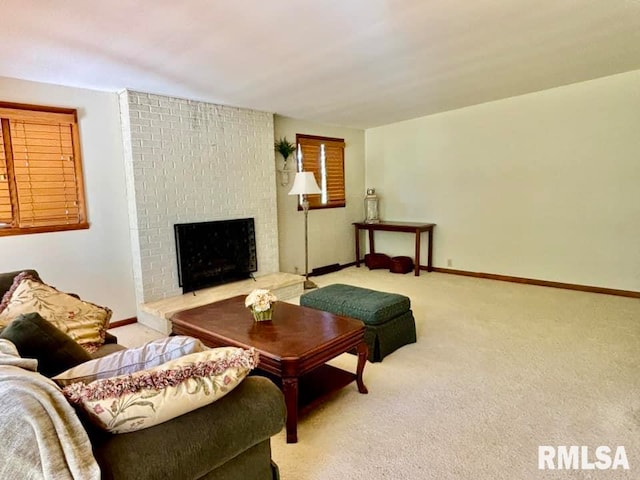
324,157
5,196
41,183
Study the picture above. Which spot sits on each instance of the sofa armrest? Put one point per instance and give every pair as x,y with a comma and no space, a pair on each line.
196,443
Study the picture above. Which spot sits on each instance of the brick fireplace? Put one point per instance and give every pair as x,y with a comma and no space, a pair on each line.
190,161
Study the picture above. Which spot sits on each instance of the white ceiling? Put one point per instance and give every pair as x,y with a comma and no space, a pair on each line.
358,63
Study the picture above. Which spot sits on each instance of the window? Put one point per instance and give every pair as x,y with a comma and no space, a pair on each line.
41,186
325,158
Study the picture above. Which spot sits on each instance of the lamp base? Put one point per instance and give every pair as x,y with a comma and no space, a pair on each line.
308,285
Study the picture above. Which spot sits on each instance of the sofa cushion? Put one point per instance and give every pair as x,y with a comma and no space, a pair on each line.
127,403
149,355
83,321
34,337
198,442
107,349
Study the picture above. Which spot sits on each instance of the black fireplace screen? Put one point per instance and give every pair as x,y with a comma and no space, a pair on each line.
213,253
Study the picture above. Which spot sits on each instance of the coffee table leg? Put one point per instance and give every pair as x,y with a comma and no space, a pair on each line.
290,390
363,351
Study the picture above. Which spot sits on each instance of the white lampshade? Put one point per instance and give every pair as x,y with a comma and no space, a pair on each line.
304,184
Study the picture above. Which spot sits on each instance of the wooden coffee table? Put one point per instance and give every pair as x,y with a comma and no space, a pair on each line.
293,347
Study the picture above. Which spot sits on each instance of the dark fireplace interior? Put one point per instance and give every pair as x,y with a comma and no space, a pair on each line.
214,253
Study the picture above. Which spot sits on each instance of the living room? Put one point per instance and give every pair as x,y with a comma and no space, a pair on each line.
547,228
538,184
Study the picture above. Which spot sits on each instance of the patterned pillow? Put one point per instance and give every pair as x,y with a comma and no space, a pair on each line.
85,322
151,354
8,282
149,397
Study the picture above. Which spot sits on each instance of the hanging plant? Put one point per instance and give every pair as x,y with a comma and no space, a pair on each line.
285,148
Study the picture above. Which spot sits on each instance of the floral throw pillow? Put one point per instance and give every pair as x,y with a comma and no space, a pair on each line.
127,403
84,322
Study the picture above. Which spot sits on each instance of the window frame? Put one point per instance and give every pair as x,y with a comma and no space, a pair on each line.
25,112
338,142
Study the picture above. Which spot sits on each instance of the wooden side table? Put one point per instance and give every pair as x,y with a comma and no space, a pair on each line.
407,227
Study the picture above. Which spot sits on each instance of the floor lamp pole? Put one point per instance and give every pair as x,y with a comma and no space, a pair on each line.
308,284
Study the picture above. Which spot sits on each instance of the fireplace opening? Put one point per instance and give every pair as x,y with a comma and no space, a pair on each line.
215,253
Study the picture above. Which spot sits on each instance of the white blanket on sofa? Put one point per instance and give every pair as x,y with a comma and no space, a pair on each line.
41,435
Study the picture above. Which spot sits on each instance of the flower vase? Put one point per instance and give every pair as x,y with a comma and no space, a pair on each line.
262,316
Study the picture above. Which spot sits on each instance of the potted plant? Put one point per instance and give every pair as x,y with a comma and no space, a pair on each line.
285,148
262,303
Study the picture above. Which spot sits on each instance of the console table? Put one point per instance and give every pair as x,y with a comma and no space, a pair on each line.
407,227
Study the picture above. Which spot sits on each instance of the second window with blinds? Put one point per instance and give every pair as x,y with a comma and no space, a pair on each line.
41,187
324,156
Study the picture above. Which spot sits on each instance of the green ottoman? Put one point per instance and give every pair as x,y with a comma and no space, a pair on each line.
387,316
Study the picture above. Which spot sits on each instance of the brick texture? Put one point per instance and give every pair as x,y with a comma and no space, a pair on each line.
189,161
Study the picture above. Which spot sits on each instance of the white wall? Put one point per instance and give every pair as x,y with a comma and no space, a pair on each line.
544,186
189,161
94,263
331,238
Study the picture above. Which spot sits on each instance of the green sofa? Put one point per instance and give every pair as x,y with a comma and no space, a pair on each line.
228,439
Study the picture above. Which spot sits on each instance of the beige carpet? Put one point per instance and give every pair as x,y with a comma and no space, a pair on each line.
499,369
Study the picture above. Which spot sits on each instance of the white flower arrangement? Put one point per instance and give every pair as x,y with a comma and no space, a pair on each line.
260,300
